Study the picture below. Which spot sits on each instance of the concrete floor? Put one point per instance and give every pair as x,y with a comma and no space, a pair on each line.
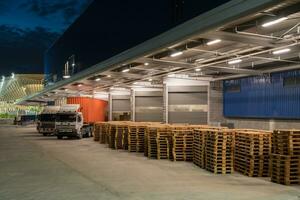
33,167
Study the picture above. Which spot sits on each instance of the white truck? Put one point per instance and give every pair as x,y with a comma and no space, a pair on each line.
70,123
46,120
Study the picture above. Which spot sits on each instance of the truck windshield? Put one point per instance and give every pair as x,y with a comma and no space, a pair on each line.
66,118
47,117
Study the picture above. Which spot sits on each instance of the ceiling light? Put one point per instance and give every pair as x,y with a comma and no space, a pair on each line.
213,42
175,54
98,79
146,64
12,75
150,79
79,85
198,70
199,60
281,51
126,70
135,83
73,65
66,89
171,75
270,23
66,76
236,61
108,76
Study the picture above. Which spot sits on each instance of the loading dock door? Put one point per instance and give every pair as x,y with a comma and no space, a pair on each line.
188,104
121,108
149,106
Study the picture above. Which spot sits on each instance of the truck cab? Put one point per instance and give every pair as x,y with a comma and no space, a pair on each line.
69,122
46,120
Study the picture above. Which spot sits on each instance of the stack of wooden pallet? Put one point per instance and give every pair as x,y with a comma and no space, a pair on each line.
121,137
199,147
112,129
103,126
285,158
136,134
96,132
158,141
219,151
252,152
182,144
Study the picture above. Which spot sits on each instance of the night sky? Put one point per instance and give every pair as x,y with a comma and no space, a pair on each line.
29,27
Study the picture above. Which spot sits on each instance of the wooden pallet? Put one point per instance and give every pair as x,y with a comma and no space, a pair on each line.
103,129
286,142
182,145
252,152
157,141
219,151
96,132
285,169
136,137
199,147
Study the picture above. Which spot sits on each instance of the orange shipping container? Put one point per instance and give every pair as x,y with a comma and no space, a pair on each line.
93,110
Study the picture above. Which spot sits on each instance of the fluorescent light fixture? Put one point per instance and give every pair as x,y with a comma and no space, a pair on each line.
79,85
98,79
73,64
108,76
135,83
281,51
199,60
175,54
66,89
171,75
236,61
150,79
146,64
12,75
213,42
270,23
198,70
126,70
66,76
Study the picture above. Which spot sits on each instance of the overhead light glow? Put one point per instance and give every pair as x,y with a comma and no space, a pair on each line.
213,42
171,75
150,79
270,23
199,60
66,89
236,61
175,54
79,85
126,70
98,79
12,75
108,76
135,83
198,70
73,65
281,51
146,64
66,76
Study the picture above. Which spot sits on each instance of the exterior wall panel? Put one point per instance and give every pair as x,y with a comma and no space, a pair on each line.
263,97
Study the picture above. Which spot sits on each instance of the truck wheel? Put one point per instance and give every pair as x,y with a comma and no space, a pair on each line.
59,137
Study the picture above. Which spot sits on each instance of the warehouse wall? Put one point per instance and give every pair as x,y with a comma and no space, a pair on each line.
216,116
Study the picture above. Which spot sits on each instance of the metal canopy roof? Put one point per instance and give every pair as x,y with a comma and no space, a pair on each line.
226,42
19,86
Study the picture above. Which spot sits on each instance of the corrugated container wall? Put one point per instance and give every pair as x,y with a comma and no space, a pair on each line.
274,96
93,110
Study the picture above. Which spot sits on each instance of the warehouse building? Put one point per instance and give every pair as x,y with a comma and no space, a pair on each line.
235,65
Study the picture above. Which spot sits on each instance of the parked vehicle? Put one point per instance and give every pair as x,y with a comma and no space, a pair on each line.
70,123
46,120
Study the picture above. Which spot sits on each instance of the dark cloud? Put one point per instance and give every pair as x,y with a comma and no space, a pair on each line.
45,8
22,50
